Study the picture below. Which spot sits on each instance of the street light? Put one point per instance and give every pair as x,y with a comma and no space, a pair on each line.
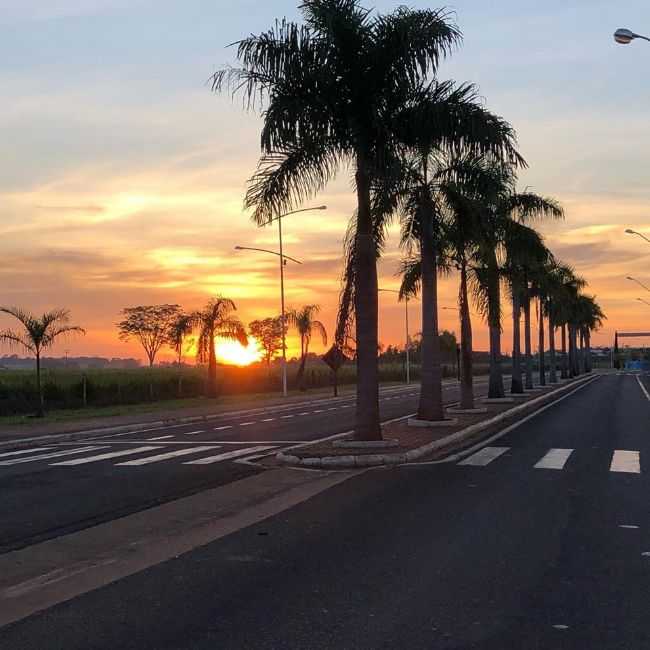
283,261
406,314
629,277
629,231
625,36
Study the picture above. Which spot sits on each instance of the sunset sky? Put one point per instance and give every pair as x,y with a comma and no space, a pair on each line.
122,175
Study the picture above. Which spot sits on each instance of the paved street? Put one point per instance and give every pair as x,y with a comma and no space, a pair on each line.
539,540
53,489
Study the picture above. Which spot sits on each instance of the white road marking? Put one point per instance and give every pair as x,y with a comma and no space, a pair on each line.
286,417
318,411
332,408
159,457
193,433
161,438
554,459
484,456
24,451
346,406
55,454
630,526
304,413
247,424
643,388
268,420
228,455
93,459
228,426
625,461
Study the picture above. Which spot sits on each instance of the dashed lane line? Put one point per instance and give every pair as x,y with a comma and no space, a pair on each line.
484,456
193,433
247,424
69,452
24,451
554,459
227,426
161,437
625,461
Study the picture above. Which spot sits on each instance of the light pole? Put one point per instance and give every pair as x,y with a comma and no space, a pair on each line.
629,231
629,277
408,340
625,36
283,259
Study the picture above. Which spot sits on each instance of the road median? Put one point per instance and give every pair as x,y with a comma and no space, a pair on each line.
410,444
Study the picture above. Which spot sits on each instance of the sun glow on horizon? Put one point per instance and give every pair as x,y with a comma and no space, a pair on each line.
234,353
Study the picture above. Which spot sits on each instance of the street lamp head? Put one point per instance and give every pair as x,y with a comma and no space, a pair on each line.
624,36
629,231
629,277
321,207
238,248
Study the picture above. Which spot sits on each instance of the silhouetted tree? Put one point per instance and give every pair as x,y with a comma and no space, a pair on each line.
268,332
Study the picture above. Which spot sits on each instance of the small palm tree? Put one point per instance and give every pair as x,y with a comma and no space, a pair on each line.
177,337
305,323
215,320
37,335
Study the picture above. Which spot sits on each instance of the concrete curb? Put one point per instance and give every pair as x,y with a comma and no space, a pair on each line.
375,460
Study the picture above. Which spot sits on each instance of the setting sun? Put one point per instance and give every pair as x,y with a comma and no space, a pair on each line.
235,354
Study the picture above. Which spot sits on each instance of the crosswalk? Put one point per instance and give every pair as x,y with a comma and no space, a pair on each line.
623,461
134,456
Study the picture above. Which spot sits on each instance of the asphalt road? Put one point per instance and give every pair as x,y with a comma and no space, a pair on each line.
54,489
538,541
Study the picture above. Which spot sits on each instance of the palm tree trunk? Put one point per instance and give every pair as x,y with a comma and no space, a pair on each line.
366,425
41,400
430,406
212,369
495,388
583,364
573,352
564,372
301,369
542,362
466,371
588,362
552,377
516,384
527,341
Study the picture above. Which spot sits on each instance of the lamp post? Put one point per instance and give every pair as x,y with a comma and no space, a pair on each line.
283,259
625,36
629,231
629,277
406,319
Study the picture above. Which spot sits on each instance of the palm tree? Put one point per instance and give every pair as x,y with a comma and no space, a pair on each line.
525,254
589,317
38,334
502,205
306,325
332,89
179,330
215,320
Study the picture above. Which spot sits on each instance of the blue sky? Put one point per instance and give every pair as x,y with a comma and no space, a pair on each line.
121,175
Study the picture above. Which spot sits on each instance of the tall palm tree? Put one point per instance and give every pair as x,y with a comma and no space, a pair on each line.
38,334
502,205
214,321
525,254
589,317
177,337
332,90
305,323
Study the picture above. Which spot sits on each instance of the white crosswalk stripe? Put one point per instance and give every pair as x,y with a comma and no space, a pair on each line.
24,451
166,456
625,461
98,457
554,459
228,455
484,456
55,454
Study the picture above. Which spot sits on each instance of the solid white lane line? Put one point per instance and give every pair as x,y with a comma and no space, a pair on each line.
228,426
247,424
484,456
228,455
643,388
24,451
554,459
161,438
55,454
625,461
193,433
160,457
93,459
